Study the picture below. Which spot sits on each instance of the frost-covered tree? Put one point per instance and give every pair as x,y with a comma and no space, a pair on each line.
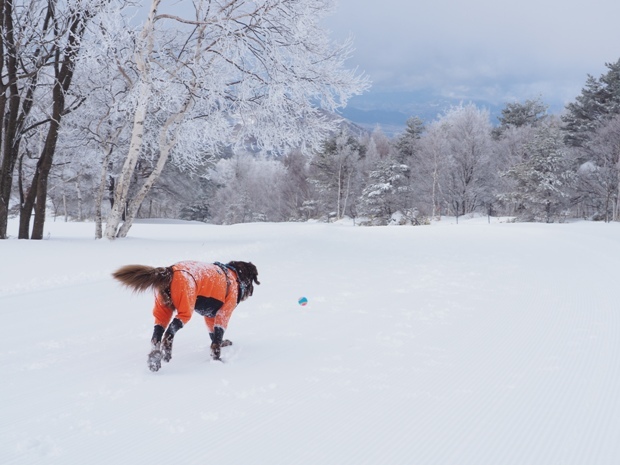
73,179
232,72
407,143
387,190
296,198
250,189
381,143
543,180
516,114
598,177
105,73
510,150
598,102
428,171
470,169
40,42
335,172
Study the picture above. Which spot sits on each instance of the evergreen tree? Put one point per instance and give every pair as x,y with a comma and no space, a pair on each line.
543,180
387,190
599,101
407,143
517,114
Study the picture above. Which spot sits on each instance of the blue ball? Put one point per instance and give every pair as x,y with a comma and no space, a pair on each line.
302,301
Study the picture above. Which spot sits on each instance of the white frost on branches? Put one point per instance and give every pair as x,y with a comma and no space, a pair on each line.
233,72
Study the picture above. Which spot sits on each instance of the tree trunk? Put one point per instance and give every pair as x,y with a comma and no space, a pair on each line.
64,67
8,125
100,193
36,196
616,212
165,147
79,197
11,138
64,76
137,133
122,185
41,183
136,202
64,204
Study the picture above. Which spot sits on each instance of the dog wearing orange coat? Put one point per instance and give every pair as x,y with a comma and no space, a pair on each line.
212,290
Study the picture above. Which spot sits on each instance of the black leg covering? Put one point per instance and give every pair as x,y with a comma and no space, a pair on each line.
166,345
217,335
216,342
174,326
158,332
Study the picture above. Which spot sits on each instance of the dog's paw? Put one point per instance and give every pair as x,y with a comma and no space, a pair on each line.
166,349
154,360
216,352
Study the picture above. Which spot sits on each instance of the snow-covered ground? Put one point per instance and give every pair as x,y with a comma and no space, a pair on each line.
476,343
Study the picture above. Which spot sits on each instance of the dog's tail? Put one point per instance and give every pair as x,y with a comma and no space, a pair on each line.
141,277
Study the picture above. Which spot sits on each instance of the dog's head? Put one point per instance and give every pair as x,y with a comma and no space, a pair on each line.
247,274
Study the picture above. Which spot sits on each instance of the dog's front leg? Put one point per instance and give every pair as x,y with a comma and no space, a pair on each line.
166,345
216,342
155,355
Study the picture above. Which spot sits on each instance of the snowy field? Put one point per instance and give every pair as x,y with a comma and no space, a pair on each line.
476,343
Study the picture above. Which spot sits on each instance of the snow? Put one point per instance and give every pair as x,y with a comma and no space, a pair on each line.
469,343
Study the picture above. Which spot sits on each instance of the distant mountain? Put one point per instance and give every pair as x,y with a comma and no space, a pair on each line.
391,110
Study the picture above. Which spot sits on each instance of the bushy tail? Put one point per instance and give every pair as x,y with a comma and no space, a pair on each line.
141,277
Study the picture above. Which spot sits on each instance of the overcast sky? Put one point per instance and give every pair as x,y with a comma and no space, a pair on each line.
493,50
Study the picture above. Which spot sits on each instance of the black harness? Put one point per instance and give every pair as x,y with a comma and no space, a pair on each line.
240,288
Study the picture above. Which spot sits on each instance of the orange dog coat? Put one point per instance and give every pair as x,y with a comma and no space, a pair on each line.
209,289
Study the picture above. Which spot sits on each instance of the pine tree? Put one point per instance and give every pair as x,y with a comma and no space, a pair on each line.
407,143
542,182
517,114
599,101
387,190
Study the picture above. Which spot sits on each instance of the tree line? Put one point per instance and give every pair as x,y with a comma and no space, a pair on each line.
532,165
225,114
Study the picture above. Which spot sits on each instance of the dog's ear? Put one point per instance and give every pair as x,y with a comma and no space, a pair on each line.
252,272
246,271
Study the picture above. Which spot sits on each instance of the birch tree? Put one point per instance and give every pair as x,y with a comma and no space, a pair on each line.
107,74
233,72
429,171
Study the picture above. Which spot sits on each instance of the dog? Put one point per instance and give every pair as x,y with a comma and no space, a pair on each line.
212,290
